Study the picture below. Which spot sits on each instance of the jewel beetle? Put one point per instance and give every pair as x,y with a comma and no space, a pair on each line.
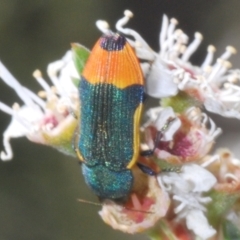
111,98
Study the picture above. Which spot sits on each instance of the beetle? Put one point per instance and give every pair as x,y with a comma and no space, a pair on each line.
111,98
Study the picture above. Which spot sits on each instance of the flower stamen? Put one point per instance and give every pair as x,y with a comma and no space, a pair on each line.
228,53
209,58
103,26
192,47
38,76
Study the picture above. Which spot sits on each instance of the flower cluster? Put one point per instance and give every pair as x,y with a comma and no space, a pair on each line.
193,193
46,118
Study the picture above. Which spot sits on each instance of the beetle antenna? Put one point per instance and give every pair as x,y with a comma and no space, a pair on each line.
102,204
89,202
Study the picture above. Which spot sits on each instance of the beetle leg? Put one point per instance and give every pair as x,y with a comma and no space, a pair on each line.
150,152
146,169
157,139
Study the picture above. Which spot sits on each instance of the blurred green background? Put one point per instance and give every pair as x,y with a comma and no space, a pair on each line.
39,187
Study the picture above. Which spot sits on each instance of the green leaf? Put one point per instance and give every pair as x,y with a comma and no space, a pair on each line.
230,231
80,56
221,203
167,167
180,102
160,231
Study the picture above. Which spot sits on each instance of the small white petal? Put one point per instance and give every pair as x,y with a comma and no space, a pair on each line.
12,82
68,73
145,54
202,179
216,106
159,82
14,130
145,68
197,222
20,125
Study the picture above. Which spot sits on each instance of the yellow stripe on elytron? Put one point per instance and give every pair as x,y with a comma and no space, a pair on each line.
136,136
120,68
80,157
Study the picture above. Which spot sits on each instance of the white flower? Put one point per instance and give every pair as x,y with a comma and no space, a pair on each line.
164,120
154,200
226,168
42,120
175,138
187,188
185,138
169,70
